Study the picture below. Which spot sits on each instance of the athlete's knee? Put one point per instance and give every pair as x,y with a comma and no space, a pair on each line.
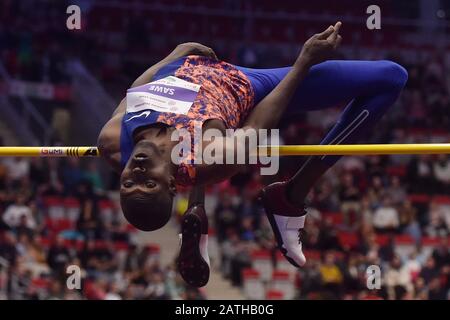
393,75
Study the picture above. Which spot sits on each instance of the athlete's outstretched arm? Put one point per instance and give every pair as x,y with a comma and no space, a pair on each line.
268,112
318,48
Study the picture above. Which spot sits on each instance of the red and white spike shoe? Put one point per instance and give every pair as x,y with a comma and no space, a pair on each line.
286,220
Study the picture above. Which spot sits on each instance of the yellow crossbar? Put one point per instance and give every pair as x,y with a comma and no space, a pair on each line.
288,150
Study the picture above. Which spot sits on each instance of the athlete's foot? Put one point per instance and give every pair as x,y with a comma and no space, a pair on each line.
193,259
287,222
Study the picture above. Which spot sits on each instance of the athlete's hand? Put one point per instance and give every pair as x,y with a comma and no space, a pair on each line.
321,46
194,48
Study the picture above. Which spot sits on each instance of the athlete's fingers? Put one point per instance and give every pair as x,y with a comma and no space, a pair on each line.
325,34
333,37
337,26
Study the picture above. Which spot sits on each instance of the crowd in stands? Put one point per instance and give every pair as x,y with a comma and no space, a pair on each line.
388,211
55,214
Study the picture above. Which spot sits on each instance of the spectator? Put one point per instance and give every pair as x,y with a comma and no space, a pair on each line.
385,218
429,271
89,223
19,214
420,173
396,191
349,197
18,169
332,277
58,256
8,249
436,220
72,175
408,220
225,216
441,171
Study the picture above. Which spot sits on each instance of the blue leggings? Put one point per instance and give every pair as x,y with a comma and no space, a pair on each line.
369,87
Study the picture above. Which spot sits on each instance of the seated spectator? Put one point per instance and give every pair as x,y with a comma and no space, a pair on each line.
408,220
156,288
436,290
247,229
98,259
112,292
349,196
328,236
58,256
441,171
396,279
437,225
397,191
92,175
19,213
72,175
376,191
8,249
31,256
18,169
441,253
332,277
89,223
225,216
420,174
429,270
385,218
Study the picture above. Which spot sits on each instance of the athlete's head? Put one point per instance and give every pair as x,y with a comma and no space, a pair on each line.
147,187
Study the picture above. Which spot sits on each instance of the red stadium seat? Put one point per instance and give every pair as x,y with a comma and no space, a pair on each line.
312,255
382,239
336,217
431,241
250,273
121,245
40,283
419,198
274,295
442,199
396,171
252,285
404,239
348,239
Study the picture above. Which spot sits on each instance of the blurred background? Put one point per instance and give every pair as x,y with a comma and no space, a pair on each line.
59,86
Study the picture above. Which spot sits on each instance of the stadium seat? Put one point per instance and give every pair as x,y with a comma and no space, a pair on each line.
275,295
262,262
283,281
252,285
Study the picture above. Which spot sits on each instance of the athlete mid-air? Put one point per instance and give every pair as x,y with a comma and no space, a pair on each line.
214,94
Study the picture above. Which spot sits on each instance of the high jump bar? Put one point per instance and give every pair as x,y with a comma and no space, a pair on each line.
284,150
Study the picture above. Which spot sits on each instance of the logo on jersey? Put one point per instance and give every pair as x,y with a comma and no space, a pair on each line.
145,113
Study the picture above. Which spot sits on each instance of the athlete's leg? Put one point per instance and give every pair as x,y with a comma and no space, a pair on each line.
371,86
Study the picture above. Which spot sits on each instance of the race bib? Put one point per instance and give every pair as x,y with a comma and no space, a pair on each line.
169,94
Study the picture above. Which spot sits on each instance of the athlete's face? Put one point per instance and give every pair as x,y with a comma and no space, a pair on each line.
147,171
